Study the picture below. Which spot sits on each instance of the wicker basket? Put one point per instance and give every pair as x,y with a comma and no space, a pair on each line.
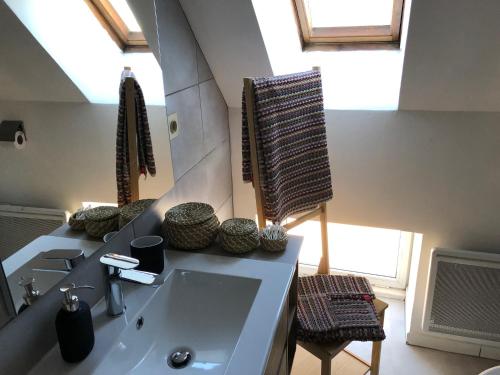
190,226
101,220
273,238
77,221
239,235
130,211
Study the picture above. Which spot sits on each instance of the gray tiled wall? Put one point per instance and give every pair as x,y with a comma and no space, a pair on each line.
200,153
202,170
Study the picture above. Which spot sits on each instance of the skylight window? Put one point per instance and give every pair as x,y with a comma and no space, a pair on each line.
120,23
126,14
349,21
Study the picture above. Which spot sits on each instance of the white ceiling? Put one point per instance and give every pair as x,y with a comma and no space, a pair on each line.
27,72
452,60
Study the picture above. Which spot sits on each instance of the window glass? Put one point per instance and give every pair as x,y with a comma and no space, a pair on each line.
342,13
126,14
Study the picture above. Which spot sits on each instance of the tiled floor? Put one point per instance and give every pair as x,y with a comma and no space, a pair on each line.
398,358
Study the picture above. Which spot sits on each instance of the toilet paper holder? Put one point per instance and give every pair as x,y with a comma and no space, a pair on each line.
9,129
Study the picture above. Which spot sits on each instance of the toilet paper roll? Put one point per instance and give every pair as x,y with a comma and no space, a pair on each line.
19,140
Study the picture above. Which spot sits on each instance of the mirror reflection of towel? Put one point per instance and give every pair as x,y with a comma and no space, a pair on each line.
144,145
292,152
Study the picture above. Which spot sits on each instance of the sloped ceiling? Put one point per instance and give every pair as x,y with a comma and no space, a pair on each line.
452,60
27,72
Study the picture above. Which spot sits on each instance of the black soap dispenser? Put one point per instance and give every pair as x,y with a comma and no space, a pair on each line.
75,331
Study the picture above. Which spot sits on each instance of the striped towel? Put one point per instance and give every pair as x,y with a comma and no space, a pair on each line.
336,308
291,144
144,145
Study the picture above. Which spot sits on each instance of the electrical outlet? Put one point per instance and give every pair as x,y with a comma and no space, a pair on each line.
173,125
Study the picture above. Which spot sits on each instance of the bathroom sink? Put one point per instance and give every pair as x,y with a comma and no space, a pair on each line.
196,312
222,310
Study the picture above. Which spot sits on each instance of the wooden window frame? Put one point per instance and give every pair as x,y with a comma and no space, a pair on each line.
353,37
128,41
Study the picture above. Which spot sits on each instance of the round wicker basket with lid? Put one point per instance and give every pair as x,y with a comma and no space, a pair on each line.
130,211
191,226
101,220
77,220
239,235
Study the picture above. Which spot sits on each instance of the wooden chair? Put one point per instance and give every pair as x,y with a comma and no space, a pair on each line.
324,352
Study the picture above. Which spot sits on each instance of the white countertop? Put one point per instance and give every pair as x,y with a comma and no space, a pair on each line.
253,347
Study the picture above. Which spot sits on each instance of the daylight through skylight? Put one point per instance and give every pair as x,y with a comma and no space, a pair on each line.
126,14
344,13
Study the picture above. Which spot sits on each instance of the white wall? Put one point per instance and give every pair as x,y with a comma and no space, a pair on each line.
70,155
435,173
450,64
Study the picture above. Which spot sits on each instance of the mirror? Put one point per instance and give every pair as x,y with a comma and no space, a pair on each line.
60,74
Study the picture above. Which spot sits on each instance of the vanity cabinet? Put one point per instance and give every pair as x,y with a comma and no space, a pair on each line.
282,352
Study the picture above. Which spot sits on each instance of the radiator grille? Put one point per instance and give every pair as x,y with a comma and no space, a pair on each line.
16,232
466,301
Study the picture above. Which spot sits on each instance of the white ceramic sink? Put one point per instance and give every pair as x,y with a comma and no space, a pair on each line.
200,312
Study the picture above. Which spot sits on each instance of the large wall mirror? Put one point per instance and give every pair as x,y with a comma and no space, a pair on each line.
60,74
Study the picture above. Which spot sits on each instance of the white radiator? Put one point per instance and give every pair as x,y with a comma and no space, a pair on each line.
463,296
21,225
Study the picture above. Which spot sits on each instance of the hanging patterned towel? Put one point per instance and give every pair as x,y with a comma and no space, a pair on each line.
291,144
332,308
144,145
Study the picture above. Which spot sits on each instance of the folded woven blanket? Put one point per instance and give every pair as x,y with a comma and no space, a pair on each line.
292,153
144,144
324,319
335,286
336,308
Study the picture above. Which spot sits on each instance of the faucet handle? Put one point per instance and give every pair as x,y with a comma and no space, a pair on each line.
141,277
119,261
72,257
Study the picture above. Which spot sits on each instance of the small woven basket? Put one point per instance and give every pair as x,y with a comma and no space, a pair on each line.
190,226
239,235
130,211
273,238
77,221
101,220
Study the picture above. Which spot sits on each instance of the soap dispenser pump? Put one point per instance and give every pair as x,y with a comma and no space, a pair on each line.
75,331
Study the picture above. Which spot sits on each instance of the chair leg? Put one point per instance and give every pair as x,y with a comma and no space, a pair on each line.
376,349
326,366
324,263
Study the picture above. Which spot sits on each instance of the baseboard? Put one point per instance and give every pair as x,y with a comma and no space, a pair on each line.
490,352
453,346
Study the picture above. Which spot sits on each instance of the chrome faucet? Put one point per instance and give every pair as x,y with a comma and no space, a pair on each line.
120,267
59,260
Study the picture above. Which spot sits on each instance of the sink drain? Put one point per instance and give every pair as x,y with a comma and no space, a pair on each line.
179,359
